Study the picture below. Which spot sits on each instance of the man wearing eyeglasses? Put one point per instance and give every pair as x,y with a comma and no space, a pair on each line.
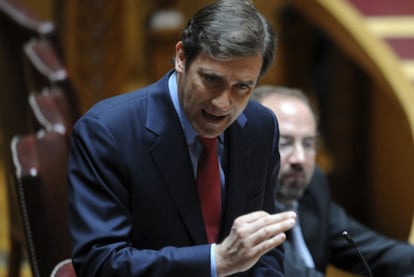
316,240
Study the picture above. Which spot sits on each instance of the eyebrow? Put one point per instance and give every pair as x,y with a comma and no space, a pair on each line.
304,138
212,74
222,78
249,83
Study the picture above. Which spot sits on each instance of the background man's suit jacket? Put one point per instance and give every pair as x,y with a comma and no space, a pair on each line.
323,221
132,183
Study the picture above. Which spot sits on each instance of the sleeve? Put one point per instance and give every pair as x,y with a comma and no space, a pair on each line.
271,264
385,256
100,220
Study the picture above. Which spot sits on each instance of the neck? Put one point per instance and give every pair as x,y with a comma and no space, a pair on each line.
286,205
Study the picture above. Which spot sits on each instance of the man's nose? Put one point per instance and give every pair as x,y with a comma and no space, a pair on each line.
298,154
223,101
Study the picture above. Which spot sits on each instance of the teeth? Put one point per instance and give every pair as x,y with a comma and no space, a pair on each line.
212,116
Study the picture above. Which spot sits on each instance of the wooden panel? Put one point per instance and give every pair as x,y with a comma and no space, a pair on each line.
392,161
395,7
368,130
411,238
95,48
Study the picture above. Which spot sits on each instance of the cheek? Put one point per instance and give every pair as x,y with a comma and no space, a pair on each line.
283,160
310,167
238,105
241,100
311,159
192,99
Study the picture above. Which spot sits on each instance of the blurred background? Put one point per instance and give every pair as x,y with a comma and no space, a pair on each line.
354,58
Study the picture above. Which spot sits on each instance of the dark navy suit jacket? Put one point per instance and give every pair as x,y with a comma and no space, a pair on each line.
322,222
134,209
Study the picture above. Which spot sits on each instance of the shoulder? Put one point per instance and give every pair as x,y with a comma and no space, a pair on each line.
128,101
255,109
130,105
259,118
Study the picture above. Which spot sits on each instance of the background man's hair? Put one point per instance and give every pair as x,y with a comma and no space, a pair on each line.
267,90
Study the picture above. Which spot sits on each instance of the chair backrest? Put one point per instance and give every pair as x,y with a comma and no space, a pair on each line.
51,111
19,21
17,25
40,163
22,22
44,68
47,66
64,269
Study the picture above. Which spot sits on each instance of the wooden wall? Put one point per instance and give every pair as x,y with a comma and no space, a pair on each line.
108,46
367,144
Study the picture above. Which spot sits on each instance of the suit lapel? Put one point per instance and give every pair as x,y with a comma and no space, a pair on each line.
238,153
170,154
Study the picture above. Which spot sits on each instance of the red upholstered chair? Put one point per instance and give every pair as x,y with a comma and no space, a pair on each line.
44,68
20,20
40,162
64,269
51,111
17,25
22,23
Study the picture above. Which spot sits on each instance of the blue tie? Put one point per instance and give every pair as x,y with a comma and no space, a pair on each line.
299,243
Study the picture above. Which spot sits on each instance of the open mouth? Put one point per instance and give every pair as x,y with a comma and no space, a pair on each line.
211,117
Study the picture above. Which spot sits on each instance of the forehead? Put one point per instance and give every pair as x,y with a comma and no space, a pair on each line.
242,68
294,116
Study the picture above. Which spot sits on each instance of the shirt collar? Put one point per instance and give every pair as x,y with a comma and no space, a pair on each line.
189,132
292,206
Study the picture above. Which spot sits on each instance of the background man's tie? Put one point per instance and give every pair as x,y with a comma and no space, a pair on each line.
300,245
209,187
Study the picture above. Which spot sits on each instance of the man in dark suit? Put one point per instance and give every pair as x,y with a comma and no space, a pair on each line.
317,240
135,202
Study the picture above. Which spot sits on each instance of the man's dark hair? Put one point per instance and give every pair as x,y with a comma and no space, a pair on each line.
229,28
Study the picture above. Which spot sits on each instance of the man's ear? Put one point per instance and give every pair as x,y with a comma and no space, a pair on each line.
179,57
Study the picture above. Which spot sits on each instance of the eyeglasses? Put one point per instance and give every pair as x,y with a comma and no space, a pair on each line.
290,145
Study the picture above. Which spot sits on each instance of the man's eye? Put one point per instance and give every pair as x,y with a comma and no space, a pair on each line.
211,78
309,144
284,143
243,86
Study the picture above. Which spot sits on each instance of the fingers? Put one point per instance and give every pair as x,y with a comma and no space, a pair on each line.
251,236
261,225
265,246
259,215
268,231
